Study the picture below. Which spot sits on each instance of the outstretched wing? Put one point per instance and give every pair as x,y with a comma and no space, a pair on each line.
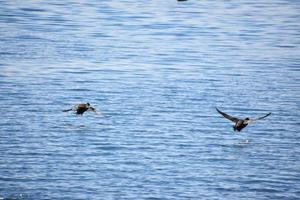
264,116
93,110
67,110
231,118
75,107
253,120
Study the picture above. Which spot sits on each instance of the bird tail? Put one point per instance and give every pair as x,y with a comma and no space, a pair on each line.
67,110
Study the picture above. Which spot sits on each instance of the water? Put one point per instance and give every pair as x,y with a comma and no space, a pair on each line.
156,70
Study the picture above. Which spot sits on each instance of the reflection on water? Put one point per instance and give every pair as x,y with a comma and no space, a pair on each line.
156,70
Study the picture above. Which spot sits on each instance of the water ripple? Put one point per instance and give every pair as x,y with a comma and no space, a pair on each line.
156,71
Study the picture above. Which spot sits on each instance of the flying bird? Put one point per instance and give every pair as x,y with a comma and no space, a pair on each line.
81,108
240,123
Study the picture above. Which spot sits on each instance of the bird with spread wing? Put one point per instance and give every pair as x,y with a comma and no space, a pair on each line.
81,108
240,123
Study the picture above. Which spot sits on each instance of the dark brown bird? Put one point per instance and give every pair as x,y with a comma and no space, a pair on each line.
81,108
240,123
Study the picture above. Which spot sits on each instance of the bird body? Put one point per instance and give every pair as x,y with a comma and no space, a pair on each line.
240,123
81,108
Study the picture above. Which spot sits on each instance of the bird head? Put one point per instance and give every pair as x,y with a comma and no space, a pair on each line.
247,120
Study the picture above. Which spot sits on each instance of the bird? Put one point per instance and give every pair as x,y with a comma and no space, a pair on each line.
241,123
81,108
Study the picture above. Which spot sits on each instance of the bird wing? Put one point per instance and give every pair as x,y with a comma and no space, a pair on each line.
67,110
92,109
264,116
231,118
254,120
75,107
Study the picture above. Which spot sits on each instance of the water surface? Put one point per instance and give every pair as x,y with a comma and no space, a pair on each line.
156,70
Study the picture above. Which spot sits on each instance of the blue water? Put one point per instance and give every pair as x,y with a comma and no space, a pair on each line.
156,70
